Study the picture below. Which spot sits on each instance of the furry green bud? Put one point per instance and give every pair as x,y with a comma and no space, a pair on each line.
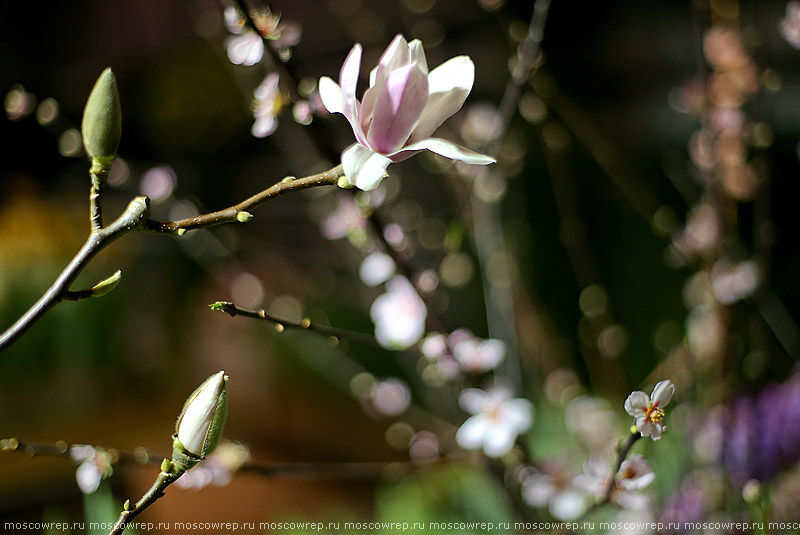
102,119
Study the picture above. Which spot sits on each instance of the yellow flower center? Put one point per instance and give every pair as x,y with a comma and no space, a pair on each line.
655,415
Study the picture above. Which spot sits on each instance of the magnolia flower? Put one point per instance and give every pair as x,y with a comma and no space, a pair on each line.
399,315
496,422
200,424
402,107
649,415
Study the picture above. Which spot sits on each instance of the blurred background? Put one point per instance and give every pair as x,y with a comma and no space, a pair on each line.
639,225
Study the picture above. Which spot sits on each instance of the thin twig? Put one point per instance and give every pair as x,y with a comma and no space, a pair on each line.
622,454
164,480
377,470
305,324
240,212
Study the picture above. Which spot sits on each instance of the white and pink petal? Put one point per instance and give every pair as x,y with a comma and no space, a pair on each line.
364,167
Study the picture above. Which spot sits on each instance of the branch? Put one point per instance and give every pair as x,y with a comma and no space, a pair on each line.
239,213
622,454
304,324
166,477
341,470
131,219
135,217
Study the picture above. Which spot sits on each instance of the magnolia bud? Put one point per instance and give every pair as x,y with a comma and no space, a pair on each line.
102,119
200,424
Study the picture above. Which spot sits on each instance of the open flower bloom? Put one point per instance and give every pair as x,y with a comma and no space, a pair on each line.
403,106
649,414
496,422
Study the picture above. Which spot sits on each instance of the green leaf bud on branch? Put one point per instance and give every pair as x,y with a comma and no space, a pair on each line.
102,120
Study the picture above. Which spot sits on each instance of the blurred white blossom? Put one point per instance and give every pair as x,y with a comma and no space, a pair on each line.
555,492
399,315
789,26
218,468
94,466
633,476
478,356
267,104
376,269
497,420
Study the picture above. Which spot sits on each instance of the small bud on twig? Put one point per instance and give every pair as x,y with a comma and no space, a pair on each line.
243,217
106,285
102,119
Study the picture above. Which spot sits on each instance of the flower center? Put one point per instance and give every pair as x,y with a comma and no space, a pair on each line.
655,415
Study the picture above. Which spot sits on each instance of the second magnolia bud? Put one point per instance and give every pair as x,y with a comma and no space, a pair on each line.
200,424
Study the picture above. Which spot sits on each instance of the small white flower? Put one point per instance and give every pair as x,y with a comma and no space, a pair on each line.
633,476
267,104
95,465
478,356
376,269
390,397
496,422
218,468
246,49
399,315
562,499
649,415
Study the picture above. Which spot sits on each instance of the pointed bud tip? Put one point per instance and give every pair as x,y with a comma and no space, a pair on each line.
102,118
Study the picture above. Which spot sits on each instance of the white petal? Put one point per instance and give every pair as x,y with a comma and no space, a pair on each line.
473,400
88,475
538,489
656,430
444,148
518,414
418,54
498,441
568,505
331,95
376,269
364,167
264,126
471,433
246,49
637,403
662,393
449,85
646,428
